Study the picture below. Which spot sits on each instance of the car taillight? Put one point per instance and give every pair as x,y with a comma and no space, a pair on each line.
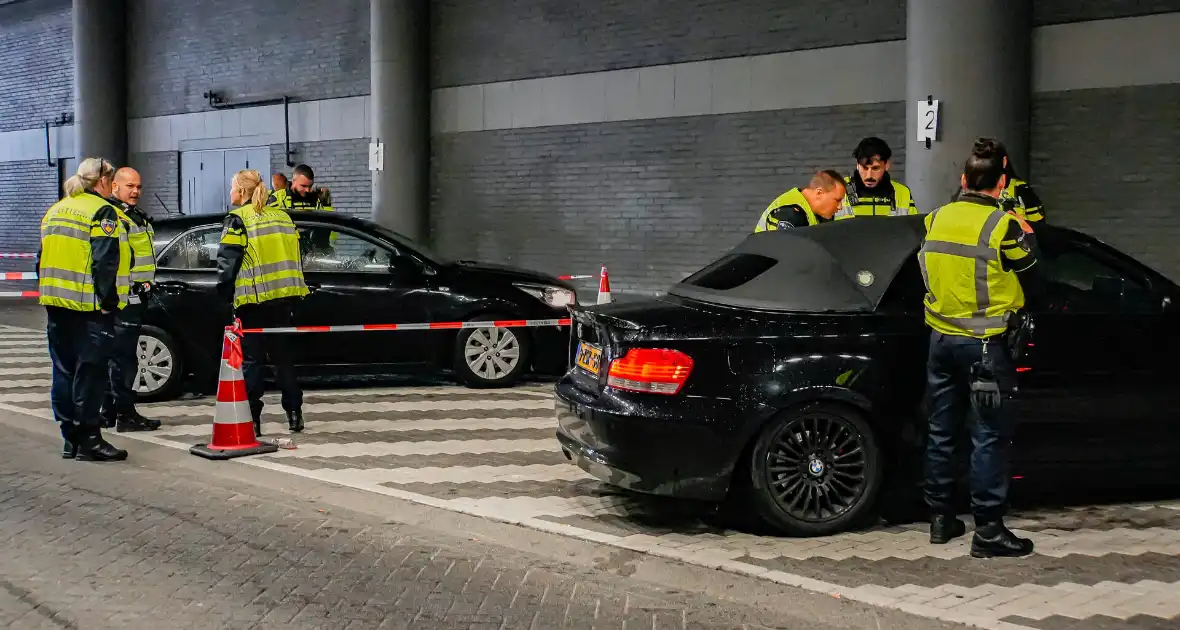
650,370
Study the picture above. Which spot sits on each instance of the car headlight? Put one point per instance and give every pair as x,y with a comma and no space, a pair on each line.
553,296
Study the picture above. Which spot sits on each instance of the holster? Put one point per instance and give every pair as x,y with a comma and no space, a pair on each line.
1020,331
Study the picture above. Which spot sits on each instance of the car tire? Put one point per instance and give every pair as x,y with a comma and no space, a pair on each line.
505,340
159,353
821,468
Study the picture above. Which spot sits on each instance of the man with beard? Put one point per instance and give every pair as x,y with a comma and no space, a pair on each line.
301,194
872,192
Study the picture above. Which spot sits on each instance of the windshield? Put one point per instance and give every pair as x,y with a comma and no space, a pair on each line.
405,241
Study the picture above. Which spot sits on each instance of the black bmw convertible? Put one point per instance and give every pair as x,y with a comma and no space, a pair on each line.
791,373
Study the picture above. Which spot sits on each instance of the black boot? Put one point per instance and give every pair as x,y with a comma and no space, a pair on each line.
295,420
993,540
108,415
69,447
257,426
133,421
944,528
92,448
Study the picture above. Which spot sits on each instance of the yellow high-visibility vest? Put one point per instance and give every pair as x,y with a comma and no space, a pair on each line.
785,202
901,204
271,263
1011,198
968,291
143,264
64,276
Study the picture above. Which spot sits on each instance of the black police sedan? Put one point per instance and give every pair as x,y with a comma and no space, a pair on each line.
790,374
358,273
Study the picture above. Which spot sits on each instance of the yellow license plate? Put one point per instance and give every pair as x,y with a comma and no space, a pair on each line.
589,357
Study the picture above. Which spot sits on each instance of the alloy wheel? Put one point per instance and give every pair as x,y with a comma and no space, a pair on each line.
492,353
155,364
816,467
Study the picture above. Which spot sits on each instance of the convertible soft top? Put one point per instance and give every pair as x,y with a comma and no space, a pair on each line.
842,266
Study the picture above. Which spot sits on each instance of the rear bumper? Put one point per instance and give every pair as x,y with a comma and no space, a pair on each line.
673,447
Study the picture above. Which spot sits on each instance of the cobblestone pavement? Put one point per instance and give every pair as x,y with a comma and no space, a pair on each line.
493,454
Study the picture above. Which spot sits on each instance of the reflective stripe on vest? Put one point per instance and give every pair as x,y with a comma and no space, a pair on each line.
900,204
968,291
792,197
139,238
64,276
271,266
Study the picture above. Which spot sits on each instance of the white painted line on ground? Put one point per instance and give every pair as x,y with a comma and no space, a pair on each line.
38,358
377,426
27,371
462,474
448,447
26,352
24,384
26,342
25,397
173,411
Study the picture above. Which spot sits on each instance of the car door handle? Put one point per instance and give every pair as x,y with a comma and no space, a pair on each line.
313,286
171,287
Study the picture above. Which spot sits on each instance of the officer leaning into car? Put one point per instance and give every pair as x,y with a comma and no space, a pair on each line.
119,408
83,278
970,258
259,268
872,191
301,194
815,204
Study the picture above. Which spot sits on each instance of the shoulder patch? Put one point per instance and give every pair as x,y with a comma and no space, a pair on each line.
107,226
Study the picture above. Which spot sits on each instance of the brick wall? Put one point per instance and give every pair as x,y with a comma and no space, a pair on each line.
27,190
342,166
479,41
160,174
654,200
1105,162
37,57
311,49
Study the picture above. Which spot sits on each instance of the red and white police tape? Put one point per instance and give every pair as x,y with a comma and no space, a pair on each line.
575,277
30,256
20,293
18,275
497,323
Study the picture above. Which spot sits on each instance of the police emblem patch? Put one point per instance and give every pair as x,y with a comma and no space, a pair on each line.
107,226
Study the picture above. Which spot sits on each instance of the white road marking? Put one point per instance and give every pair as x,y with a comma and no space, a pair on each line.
39,357
24,397
310,410
24,384
462,474
26,342
27,371
442,447
315,427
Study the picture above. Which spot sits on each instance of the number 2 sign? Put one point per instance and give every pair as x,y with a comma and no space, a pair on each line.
927,120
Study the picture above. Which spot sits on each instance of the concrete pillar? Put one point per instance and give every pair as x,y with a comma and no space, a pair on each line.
400,114
974,57
100,84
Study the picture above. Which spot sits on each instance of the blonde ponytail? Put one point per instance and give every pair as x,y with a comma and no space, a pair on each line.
249,183
90,171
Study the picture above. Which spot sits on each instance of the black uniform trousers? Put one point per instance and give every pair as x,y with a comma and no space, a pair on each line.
258,347
948,375
80,344
124,361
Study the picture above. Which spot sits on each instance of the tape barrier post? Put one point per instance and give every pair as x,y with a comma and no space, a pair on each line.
233,428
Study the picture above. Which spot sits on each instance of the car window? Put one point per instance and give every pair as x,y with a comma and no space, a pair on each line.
194,250
325,249
1080,280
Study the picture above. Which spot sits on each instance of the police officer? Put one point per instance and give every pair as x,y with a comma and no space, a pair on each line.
873,192
278,181
83,272
119,410
815,204
970,258
259,268
1019,196
302,195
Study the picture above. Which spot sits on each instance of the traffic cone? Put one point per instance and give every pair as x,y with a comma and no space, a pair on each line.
604,287
233,428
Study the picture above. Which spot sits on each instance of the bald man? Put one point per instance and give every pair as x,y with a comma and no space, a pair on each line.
278,181
119,408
